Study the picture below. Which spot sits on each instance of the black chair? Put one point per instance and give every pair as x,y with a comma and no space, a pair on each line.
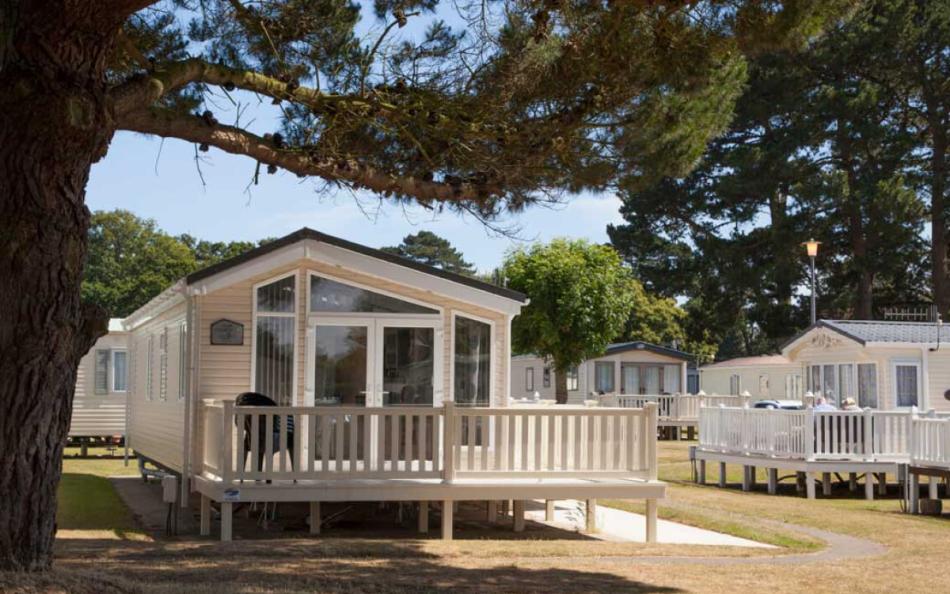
256,399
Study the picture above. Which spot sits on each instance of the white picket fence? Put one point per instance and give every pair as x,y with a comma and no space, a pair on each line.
242,443
930,442
673,407
806,434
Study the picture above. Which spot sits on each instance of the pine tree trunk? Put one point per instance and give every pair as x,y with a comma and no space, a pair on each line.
938,226
55,122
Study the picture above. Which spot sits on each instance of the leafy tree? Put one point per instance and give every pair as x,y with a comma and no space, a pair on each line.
130,261
581,296
661,321
527,100
208,253
428,248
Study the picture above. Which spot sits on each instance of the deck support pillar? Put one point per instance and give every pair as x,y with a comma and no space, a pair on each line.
852,482
591,515
826,484
773,480
447,510
205,515
227,517
423,517
315,517
882,483
722,474
691,433
549,510
914,489
492,512
651,520
701,477
869,486
518,513
800,479
746,478
932,485
809,485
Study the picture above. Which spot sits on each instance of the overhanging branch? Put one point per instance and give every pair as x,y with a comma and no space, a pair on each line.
168,124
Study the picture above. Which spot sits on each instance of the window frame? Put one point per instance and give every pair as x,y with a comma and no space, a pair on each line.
438,309
95,372
572,377
296,334
529,379
853,380
738,389
546,376
491,351
112,388
149,367
613,376
895,363
182,359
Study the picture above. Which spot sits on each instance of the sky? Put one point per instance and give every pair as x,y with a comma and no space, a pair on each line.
159,180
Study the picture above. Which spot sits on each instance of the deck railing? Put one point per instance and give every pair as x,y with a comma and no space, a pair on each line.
930,441
806,434
674,407
244,443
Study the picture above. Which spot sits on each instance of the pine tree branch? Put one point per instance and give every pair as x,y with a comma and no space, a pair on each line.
170,124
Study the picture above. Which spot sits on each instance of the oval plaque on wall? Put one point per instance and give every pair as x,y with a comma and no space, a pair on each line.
947,394
227,332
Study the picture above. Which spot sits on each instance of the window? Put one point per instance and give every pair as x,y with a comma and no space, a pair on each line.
472,362
163,365
763,385
120,371
274,323
735,385
829,387
101,379
529,379
845,381
815,383
149,395
671,379
905,384
793,386
182,360
546,377
330,296
573,383
867,385
604,376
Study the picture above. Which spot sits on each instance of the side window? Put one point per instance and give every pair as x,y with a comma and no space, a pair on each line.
546,377
102,371
182,359
163,365
120,371
604,376
572,379
529,379
735,386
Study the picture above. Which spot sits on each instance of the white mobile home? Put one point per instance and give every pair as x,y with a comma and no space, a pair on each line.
386,380
635,367
769,376
99,406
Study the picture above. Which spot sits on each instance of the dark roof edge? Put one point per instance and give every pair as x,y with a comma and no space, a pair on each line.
307,233
638,345
822,324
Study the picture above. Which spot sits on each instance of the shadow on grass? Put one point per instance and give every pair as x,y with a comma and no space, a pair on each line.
324,566
89,502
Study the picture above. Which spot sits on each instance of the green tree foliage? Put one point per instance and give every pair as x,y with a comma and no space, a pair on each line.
581,296
661,321
131,260
428,248
817,148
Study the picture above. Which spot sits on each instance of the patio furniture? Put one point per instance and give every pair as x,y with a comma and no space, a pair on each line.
257,399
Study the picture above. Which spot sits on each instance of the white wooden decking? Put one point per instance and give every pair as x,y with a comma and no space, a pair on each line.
674,411
425,454
807,442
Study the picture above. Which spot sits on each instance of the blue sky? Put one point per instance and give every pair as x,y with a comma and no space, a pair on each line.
222,210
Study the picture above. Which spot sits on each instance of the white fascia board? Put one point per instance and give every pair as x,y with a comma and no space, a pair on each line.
342,258
168,298
784,366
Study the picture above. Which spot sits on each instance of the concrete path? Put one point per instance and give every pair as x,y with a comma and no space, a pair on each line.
144,500
616,525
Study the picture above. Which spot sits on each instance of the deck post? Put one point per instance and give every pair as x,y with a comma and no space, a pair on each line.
591,513
882,483
746,478
227,426
809,486
691,433
800,479
826,484
932,487
650,437
914,489
549,510
447,519
315,517
722,474
852,482
492,511
773,481
205,515
423,517
448,442
651,520
518,515
809,435
226,520
701,478
869,486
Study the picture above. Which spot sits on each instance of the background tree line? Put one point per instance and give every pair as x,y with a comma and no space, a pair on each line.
844,141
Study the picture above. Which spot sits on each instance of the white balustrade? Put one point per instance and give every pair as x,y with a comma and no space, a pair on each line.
930,441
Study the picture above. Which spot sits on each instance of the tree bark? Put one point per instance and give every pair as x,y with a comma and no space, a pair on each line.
560,386
938,220
55,122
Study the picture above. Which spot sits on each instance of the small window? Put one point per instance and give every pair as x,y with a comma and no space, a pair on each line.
604,376
102,371
572,379
331,296
472,362
735,384
182,360
867,385
906,385
163,365
120,371
149,394
529,379
763,385
546,377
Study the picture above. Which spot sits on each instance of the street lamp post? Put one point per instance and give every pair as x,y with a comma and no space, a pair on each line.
811,248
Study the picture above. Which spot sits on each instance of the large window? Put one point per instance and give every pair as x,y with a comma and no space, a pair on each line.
840,381
572,379
906,384
120,371
867,385
472,372
274,339
101,379
604,376
330,296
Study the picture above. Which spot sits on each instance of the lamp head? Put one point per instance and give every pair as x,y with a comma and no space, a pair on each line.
811,247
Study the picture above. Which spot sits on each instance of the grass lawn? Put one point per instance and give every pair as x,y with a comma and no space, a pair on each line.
88,506
915,556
